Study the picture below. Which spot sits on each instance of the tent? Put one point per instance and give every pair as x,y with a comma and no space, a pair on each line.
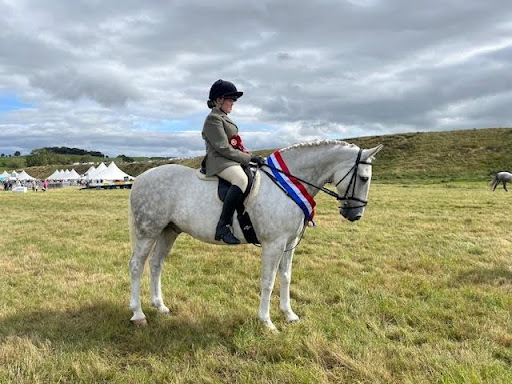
25,176
13,175
72,175
54,175
90,170
91,175
111,173
4,175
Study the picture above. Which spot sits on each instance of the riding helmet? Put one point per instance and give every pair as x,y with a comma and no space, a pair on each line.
226,89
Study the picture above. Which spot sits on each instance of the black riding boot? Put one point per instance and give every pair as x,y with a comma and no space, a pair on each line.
223,231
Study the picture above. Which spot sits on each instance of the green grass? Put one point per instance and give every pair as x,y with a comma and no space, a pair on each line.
418,291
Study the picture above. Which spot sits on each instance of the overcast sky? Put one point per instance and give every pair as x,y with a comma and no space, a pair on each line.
132,77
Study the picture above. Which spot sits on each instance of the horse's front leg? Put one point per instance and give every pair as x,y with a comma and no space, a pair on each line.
505,186
162,249
272,254
285,277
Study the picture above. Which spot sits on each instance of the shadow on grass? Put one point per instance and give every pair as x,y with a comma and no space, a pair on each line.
497,276
106,326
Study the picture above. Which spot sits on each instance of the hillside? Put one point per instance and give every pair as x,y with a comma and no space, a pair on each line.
466,155
472,155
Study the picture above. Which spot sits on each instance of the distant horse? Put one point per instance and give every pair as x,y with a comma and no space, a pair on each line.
170,199
501,177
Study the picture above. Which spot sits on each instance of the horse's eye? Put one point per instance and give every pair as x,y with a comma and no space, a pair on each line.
364,178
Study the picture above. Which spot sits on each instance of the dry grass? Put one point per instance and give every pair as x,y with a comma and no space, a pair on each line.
419,291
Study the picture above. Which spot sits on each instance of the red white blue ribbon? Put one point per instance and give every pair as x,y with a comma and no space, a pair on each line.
294,187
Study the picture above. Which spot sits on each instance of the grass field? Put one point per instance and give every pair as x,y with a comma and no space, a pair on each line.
418,291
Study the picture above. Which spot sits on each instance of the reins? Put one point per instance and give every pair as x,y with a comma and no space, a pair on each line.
345,197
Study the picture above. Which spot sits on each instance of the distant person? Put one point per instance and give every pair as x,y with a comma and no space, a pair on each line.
225,153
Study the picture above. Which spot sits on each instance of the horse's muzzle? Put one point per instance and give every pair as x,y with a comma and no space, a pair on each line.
351,214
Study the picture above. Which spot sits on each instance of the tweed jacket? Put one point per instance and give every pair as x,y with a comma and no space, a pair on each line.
218,129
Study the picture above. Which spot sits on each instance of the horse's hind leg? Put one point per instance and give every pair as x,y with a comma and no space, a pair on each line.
139,255
285,276
162,249
505,186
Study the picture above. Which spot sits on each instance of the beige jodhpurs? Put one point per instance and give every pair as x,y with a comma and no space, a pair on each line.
236,176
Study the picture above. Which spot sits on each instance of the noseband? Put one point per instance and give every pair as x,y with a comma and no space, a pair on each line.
350,189
352,184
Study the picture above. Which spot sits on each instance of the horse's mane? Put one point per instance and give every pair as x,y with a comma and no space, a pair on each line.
316,143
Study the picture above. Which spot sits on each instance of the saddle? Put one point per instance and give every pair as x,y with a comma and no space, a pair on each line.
250,192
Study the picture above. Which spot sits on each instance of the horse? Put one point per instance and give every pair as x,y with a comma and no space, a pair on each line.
171,199
501,177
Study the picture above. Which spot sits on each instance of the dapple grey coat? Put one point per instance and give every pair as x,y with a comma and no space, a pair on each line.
218,129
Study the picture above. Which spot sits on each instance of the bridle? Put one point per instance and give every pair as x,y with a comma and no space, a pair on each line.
349,194
352,184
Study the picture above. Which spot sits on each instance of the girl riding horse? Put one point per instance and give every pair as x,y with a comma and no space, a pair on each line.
225,154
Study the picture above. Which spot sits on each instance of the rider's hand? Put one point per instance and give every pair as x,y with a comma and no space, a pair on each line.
258,160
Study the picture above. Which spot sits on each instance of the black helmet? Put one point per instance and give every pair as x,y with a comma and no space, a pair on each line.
223,88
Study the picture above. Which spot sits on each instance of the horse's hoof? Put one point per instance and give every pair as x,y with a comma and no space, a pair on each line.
291,317
164,310
140,322
269,326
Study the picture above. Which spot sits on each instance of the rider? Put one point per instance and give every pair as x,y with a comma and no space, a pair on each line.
225,154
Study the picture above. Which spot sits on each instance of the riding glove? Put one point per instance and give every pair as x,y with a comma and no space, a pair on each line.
260,161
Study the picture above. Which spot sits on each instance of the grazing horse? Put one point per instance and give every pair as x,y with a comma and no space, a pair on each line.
170,199
501,177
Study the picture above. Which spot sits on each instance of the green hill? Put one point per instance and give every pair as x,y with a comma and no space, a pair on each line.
422,157
467,155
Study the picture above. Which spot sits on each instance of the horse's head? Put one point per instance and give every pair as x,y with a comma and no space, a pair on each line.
354,183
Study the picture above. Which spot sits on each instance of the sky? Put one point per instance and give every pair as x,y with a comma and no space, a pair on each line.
132,78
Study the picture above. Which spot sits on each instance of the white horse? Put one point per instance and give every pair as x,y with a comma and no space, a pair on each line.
171,199
501,177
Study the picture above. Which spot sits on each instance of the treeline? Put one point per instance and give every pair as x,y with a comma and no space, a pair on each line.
69,151
61,155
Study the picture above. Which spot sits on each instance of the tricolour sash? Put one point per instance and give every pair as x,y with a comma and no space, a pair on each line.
292,186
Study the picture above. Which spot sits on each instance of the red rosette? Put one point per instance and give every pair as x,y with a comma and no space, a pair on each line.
236,142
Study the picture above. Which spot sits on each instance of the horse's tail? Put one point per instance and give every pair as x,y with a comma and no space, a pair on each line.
494,182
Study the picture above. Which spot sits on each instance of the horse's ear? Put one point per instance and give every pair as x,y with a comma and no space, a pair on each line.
369,153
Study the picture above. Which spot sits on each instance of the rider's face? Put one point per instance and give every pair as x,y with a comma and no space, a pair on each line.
227,105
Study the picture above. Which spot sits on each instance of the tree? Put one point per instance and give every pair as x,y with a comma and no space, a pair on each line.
40,157
126,159
17,153
86,159
14,164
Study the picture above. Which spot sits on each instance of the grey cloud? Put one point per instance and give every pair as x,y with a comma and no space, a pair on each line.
102,74
105,87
